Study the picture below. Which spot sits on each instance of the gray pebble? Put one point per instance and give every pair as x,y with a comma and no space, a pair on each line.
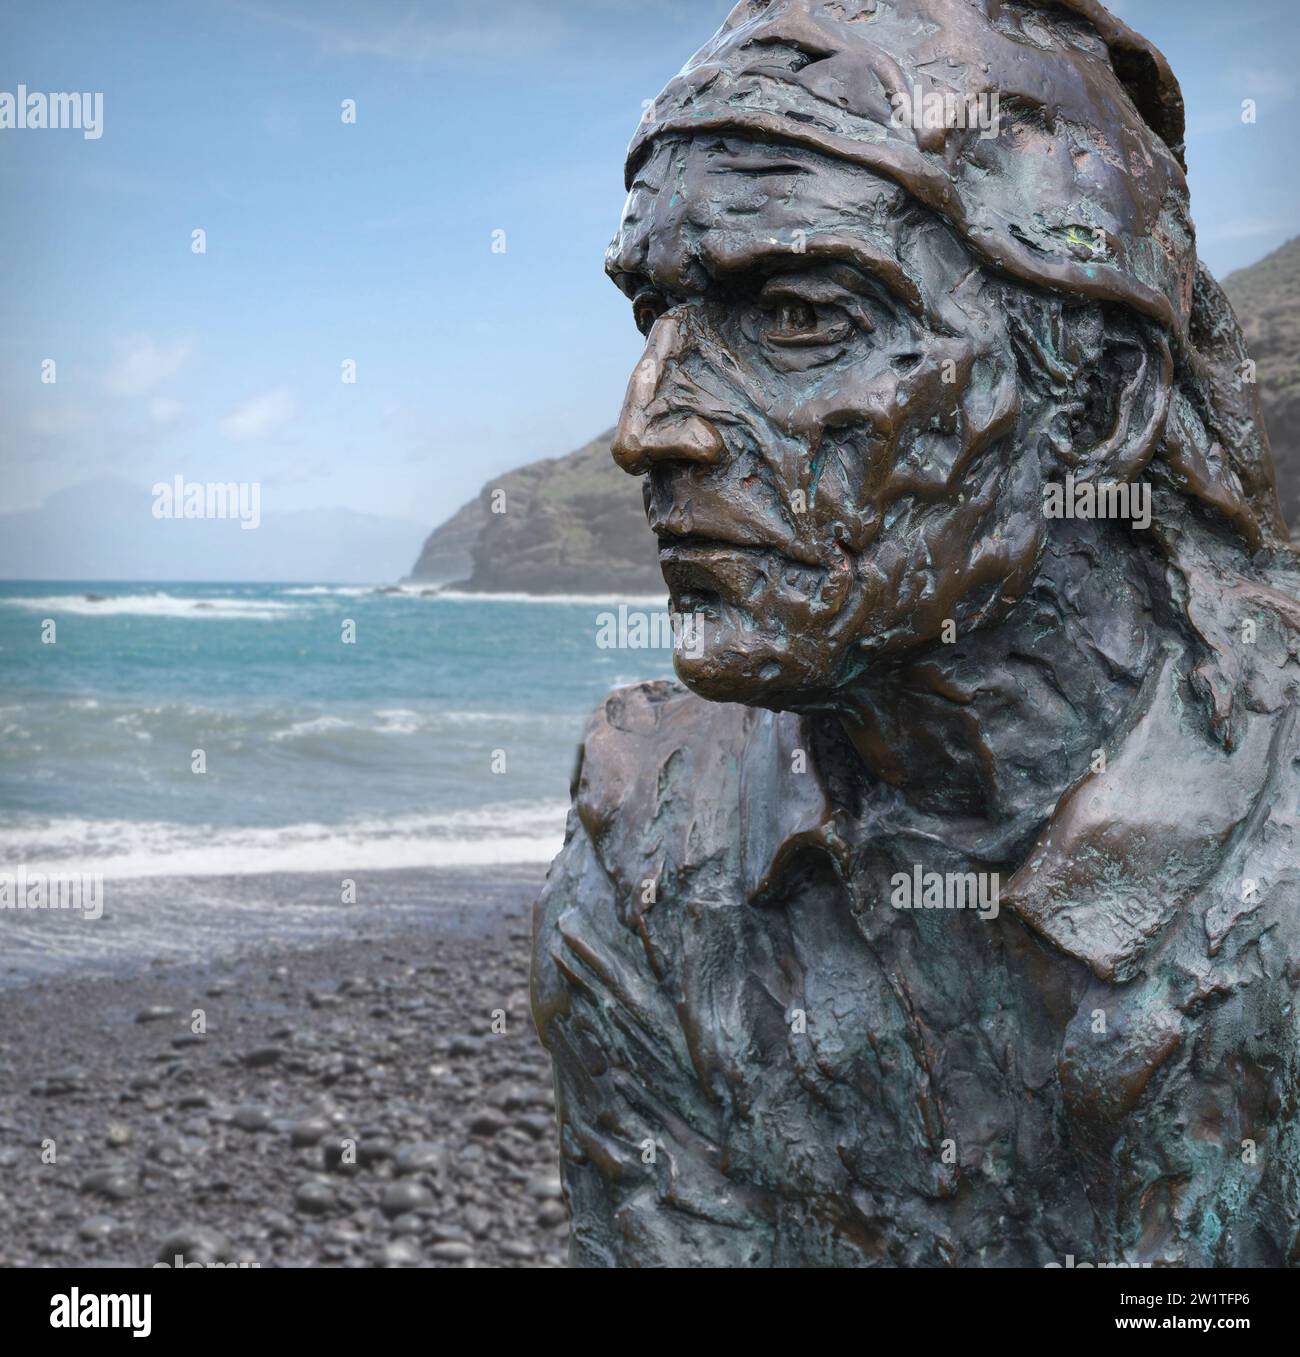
262,1056
486,1124
423,1157
252,1117
375,1151
114,1184
452,1251
399,1253
309,1131
399,1198
552,1214
314,1198
545,1187
96,1228
194,1244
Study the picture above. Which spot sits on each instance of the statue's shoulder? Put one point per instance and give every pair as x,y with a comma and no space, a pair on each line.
658,765
654,712
640,733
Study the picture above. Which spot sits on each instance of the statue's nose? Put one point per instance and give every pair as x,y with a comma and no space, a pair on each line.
648,432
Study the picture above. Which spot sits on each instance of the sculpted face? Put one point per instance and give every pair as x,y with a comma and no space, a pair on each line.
827,416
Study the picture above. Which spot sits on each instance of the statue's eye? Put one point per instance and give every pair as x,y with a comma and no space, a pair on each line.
793,318
795,322
647,307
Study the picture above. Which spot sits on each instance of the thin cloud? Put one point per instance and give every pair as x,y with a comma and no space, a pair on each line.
141,365
260,417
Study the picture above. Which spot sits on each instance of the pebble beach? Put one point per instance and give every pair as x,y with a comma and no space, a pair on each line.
378,1099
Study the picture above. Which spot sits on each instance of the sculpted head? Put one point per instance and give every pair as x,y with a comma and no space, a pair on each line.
838,447
869,346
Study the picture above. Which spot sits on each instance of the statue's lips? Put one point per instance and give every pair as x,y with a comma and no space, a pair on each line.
700,572
692,545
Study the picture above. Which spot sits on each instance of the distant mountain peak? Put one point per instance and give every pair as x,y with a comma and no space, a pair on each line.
105,529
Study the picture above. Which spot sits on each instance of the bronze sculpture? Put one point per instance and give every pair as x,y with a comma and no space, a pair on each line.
911,273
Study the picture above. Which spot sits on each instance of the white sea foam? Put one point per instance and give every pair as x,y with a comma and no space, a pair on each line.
294,600
516,832
324,590
398,721
130,721
497,718
317,725
594,600
159,605
404,721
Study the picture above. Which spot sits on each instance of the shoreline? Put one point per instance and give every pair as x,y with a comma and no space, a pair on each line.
359,588
346,1103
212,918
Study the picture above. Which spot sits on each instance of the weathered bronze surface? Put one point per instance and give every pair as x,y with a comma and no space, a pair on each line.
887,363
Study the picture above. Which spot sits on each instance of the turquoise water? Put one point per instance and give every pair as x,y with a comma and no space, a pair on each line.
320,755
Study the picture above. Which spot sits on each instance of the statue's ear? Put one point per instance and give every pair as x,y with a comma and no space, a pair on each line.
1118,400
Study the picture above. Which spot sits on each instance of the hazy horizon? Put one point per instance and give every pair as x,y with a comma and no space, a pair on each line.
294,546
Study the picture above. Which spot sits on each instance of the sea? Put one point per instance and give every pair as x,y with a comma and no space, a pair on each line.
180,742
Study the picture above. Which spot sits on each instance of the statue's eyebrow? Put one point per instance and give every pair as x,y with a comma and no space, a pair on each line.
740,164
725,257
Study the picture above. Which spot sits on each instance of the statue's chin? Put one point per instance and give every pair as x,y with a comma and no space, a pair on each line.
756,675
714,682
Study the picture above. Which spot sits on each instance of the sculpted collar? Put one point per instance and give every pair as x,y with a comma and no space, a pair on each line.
1124,851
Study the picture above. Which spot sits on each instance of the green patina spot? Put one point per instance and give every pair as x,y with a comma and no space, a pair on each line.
1210,1230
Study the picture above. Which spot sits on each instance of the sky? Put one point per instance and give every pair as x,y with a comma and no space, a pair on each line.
372,241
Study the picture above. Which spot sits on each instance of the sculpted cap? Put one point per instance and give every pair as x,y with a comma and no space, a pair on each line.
1083,187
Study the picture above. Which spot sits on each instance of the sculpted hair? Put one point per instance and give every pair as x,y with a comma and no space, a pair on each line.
1217,523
